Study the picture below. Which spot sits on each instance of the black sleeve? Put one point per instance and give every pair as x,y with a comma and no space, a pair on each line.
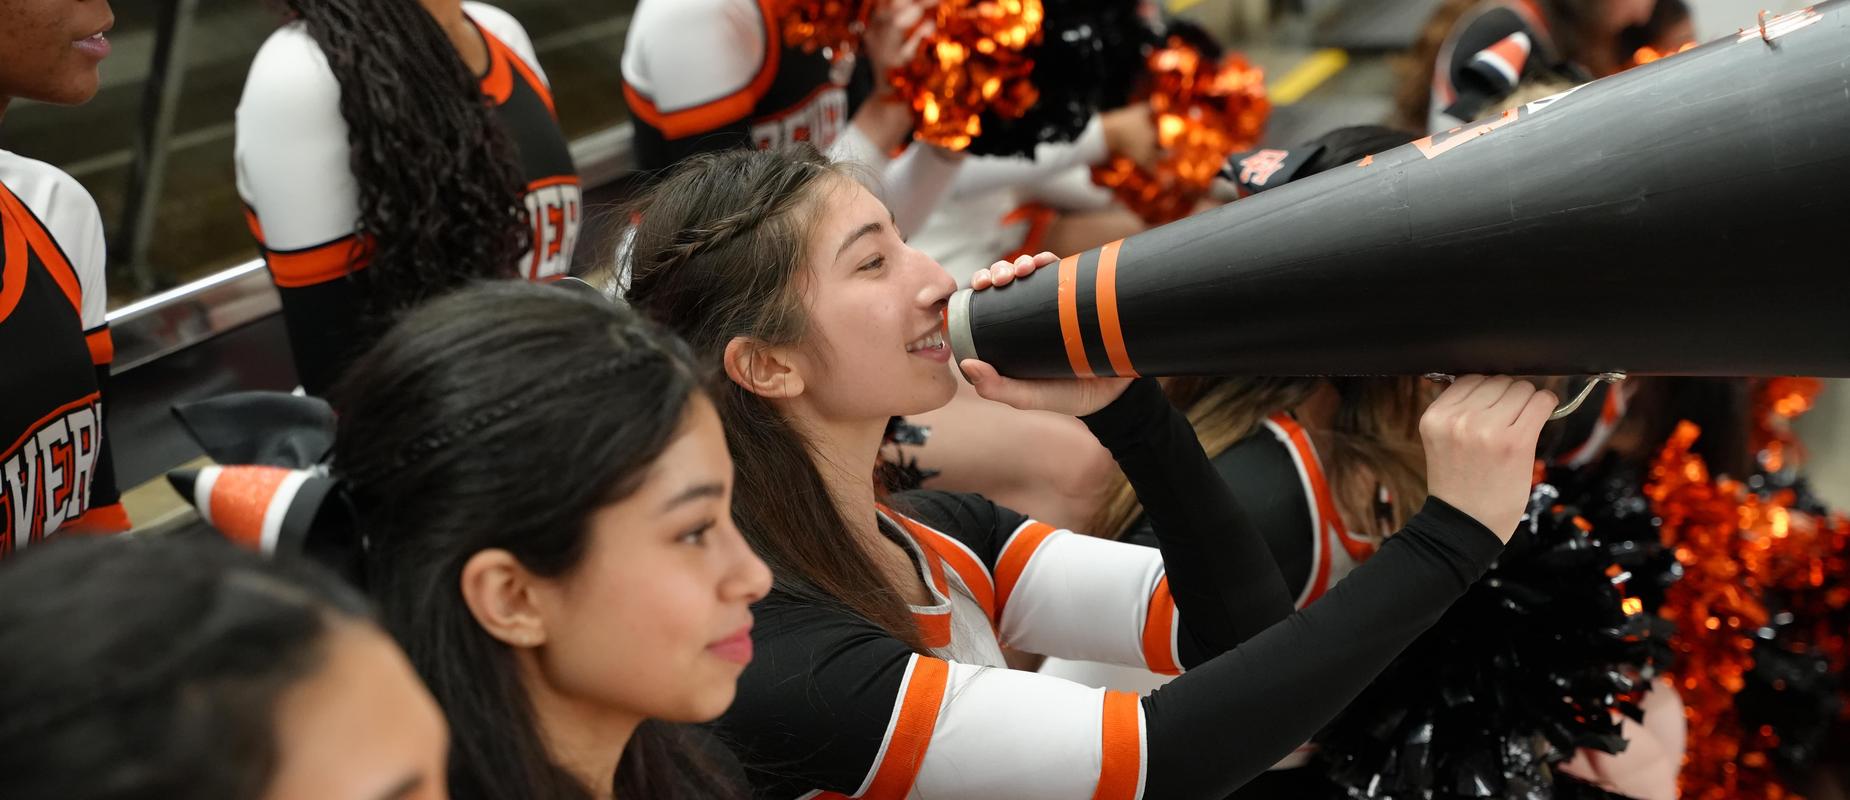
1259,471
1253,705
1226,586
325,336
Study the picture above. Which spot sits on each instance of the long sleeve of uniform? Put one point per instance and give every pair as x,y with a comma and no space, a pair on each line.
1226,585
1253,705
832,706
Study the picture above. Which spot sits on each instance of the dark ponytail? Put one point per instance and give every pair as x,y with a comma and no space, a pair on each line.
442,200
503,416
138,668
719,253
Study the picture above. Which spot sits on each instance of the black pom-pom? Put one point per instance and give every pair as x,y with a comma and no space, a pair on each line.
1090,55
1529,666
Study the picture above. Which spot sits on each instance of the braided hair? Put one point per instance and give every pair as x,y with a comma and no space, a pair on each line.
503,416
150,666
442,200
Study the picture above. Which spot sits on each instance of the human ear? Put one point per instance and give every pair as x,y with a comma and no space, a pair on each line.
761,369
500,594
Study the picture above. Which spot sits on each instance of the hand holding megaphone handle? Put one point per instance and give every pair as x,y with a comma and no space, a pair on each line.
1566,408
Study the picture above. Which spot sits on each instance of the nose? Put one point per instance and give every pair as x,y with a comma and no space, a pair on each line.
748,579
935,284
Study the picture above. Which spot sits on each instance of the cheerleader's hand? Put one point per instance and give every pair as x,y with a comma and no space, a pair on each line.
1002,273
1480,437
1075,396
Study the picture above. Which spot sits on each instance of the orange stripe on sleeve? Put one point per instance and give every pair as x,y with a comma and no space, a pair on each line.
731,108
1121,770
533,80
1109,326
918,718
974,576
1158,627
1069,318
298,268
102,346
1015,556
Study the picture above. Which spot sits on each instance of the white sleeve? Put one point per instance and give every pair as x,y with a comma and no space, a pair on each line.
915,182
682,54
292,155
983,174
509,30
1004,733
1079,597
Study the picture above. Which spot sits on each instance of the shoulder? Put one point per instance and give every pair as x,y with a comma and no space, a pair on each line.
62,205
661,16
290,72
502,25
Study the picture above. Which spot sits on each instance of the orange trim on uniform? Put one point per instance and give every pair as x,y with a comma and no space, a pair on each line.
556,180
241,497
976,578
1109,326
251,221
33,429
102,346
1121,748
12,259
40,241
498,84
1015,557
314,265
1158,628
1332,529
918,718
721,111
934,629
99,521
1069,318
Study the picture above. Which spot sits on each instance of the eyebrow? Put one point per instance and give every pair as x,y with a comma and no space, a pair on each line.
404,788
695,492
871,227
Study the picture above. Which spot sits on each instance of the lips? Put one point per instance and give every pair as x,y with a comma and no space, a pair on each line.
736,648
95,45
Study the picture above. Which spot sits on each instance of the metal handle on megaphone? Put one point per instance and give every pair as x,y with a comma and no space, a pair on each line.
1567,408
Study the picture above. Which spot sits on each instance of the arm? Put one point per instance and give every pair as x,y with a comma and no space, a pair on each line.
832,702
301,199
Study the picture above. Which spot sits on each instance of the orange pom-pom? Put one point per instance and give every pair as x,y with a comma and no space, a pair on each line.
974,61
1205,111
835,26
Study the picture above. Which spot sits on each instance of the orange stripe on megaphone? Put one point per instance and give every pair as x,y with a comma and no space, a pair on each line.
1109,326
1069,318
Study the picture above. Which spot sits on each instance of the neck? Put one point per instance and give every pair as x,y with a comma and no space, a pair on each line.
585,740
448,13
461,33
845,453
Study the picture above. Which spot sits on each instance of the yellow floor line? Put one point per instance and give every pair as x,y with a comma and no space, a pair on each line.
1309,74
